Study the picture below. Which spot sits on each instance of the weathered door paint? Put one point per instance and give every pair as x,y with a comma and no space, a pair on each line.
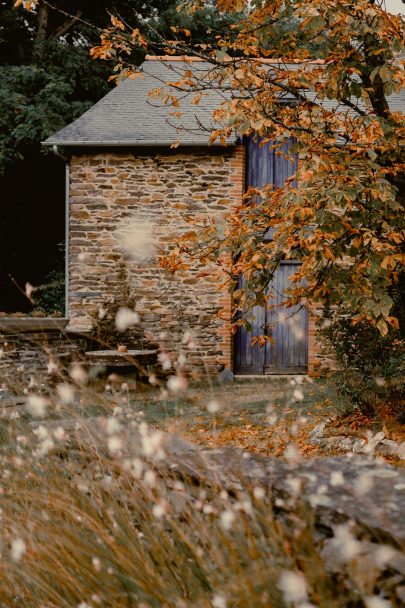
288,327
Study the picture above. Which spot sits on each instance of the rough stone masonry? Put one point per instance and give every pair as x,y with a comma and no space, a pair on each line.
130,206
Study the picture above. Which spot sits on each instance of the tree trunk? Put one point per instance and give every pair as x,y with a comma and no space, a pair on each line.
40,35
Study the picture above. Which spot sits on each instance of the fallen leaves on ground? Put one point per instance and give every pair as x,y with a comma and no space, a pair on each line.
269,440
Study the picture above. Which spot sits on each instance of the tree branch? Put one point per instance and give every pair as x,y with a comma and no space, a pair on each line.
65,27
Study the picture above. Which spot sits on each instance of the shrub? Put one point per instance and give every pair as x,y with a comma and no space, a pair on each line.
371,366
104,331
49,298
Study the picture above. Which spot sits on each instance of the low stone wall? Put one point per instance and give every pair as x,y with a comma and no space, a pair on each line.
33,348
362,491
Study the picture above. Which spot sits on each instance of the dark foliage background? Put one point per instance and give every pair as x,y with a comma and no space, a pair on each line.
48,79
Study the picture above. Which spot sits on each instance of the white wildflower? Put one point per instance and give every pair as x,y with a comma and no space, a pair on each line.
52,366
227,518
82,487
59,433
218,601
165,361
213,406
36,405
41,432
150,478
175,384
259,493
44,447
376,601
114,444
65,393
298,394
125,318
96,564
32,382
245,506
348,547
291,453
152,445
320,497
181,360
153,379
293,586
29,290
18,548
295,485
336,478
78,374
101,313
298,332
364,484
159,511
136,238
113,425
383,554
380,381
188,339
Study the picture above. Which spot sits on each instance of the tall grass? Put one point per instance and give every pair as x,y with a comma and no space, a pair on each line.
87,521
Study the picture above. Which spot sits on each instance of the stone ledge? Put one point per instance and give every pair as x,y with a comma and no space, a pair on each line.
11,325
338,489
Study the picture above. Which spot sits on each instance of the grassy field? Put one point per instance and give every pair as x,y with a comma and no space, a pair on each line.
86,523
260,415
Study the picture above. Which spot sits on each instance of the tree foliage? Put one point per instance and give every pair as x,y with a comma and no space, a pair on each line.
326,82
47,78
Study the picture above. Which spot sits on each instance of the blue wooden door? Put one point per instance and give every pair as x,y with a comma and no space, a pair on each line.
287,353
287,327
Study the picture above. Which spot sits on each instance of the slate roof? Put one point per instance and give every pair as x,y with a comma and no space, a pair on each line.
128,116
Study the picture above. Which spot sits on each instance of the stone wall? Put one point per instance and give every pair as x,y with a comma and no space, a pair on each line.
33,349
321,359
127,207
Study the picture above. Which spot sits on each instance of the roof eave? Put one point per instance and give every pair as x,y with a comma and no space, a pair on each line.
139,144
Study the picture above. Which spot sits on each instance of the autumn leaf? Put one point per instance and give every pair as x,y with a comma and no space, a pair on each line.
117,23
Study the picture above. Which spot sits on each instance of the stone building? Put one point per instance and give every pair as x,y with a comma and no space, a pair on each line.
129,193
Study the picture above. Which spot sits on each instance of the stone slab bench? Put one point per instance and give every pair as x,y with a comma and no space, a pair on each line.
116,358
